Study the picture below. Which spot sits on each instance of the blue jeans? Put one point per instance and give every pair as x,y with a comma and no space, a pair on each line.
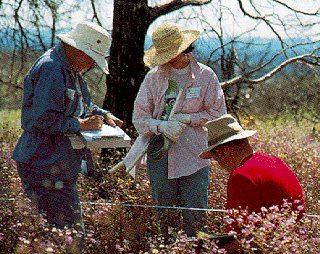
187,191
53,189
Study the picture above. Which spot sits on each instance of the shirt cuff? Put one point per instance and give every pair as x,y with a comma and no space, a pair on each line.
74,126
194,120
154,127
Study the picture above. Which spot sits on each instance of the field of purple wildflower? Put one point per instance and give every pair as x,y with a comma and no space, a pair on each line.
114,228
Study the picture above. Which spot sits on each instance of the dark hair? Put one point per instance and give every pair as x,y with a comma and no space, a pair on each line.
188,49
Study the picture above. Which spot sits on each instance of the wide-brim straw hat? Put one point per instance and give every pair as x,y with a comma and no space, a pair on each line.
168,42
91,39
223,130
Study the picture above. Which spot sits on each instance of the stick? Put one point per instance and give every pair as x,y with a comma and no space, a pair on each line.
175,104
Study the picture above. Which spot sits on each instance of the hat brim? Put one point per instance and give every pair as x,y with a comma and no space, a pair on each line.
206,154
99,59
153,58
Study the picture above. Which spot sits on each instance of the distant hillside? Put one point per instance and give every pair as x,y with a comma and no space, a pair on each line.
253,50
259,44
9,40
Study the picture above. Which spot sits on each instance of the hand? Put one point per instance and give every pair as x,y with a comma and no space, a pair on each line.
91,123
112,120
183,118
171,129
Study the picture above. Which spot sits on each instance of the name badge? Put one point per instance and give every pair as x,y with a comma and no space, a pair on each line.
193,92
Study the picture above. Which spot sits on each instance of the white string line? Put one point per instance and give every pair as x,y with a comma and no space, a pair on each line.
161,207
173,207
156,206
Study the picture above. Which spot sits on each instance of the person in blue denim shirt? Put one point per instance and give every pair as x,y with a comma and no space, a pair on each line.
56,104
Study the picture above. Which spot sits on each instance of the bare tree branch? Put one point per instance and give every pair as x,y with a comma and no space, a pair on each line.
296,10
95,14
261,66
174,5
243,78
224,33
264,19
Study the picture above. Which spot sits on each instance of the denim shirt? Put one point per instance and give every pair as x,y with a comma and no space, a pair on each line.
49,107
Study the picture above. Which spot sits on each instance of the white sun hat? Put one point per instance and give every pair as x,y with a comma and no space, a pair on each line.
168,42
91,39
223,130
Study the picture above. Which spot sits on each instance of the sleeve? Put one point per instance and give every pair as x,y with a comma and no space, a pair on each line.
214,103
242,193
143,110
48,102
95,110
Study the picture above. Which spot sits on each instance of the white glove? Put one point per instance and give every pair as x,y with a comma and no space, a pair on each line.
171,129
183,118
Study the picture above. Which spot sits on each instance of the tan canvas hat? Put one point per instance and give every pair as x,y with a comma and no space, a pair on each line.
168,42
223,130
91,39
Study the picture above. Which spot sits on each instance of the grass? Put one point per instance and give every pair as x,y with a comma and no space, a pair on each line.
10,119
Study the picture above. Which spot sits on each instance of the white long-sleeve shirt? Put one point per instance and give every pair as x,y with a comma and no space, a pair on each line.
202,98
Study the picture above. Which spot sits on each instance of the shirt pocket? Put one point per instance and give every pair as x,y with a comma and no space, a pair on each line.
71,101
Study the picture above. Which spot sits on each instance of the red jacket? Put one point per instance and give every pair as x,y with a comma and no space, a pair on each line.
262,181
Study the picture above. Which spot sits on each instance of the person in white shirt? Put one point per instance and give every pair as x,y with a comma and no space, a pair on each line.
178,177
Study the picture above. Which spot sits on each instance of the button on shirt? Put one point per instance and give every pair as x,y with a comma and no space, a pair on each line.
202,98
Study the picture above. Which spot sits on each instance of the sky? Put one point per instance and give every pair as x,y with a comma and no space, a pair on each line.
233,21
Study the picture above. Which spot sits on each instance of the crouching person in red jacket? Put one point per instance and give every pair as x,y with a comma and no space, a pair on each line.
256,180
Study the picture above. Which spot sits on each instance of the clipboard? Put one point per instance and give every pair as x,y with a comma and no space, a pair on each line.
107,137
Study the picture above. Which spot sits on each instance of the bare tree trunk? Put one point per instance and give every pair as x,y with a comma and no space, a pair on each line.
126,65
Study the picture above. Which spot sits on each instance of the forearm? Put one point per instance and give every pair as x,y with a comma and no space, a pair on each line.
146,125
95,110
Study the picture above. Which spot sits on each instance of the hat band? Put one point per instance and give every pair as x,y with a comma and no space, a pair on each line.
222,137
